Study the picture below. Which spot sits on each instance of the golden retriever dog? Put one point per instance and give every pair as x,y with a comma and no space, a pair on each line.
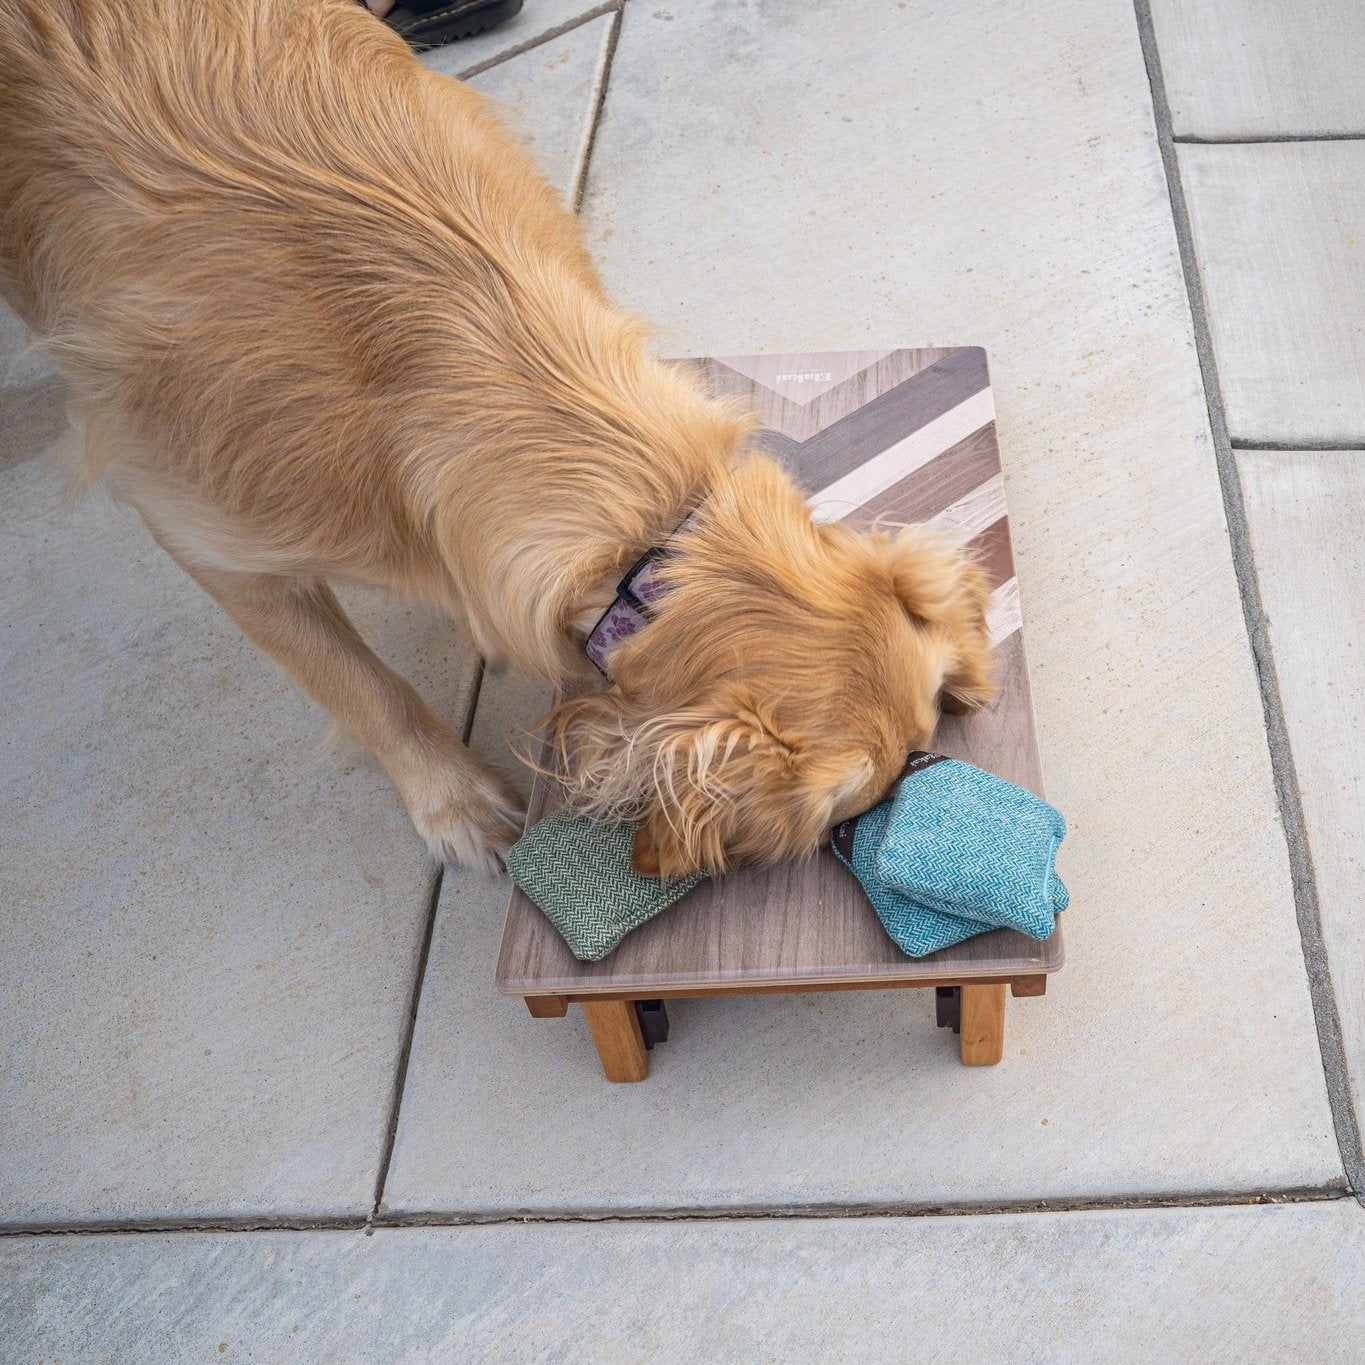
323,321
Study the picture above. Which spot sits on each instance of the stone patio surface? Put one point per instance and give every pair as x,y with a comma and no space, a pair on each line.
260,1096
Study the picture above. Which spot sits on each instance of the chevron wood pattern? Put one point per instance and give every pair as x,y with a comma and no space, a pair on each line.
895,436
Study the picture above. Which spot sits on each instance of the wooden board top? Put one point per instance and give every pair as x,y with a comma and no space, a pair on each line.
905,436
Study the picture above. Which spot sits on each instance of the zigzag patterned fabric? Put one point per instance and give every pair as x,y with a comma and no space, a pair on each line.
917,929
579,872
968,843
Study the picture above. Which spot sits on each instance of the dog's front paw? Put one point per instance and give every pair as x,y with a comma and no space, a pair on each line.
474,828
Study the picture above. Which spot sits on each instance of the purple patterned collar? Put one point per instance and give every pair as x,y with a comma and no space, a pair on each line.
637,597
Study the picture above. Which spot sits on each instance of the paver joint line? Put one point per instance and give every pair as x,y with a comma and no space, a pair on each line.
1299,447
475,691
579,188
405,1052
819,1212
576,192
1302,876
541,39
735,1213
1192,140
138,1228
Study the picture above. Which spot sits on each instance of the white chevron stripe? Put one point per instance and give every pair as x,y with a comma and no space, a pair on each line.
978,511
1005,614
876,475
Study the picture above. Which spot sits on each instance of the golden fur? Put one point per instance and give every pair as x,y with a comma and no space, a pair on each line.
323,320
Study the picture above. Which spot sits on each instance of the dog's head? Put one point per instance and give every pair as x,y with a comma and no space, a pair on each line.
788,672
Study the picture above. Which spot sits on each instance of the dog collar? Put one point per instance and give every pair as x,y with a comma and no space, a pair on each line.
635,604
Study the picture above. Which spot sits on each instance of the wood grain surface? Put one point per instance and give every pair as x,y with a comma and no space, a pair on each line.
840,421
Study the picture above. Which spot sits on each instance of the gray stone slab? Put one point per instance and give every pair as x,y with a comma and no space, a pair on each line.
538,20
505,723
1229,1284
1307,518
31,421
1279,233
206,992
1262,68
548,94
212,929
904,196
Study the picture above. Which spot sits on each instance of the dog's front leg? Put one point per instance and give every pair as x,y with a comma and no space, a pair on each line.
463,811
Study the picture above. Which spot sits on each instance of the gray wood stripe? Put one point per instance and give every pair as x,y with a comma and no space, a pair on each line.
839,449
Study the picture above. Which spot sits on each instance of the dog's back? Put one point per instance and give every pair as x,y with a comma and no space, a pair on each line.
257,235
127,123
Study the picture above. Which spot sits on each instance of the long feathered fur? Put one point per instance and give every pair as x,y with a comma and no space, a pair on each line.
323,319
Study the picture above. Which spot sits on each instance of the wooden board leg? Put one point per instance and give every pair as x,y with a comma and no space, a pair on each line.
983,1024
547,1006
620,1044
1029,985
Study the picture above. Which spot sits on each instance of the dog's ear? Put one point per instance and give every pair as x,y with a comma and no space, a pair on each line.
967,684
705,765
711,784
941,586
936,581
966,692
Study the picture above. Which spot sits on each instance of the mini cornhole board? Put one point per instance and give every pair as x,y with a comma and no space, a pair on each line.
906,436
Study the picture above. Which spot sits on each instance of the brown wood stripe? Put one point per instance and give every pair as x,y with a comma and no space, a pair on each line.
993,551
938,485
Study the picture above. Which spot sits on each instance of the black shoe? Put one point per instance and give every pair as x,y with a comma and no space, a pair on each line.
429,23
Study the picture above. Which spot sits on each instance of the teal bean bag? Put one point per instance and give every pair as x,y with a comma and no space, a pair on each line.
956,851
